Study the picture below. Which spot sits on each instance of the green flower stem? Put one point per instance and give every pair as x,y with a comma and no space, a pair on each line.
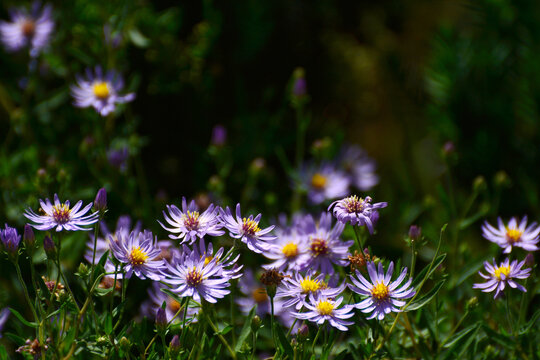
25,290
182,335
454,329
315,341
508,316
359,241
216,330
272,321
96,230
124,289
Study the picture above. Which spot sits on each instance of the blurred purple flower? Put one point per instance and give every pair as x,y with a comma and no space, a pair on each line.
324,183
523,236
359,167
219,135
26,29
118,158
99,90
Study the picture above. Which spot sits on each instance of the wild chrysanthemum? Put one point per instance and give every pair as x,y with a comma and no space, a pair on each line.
191,275
289,252
359,167
247,230
137,251
322,309
189,224
32,30
383,295
521,235
324,245
356,210
499,275
99,90
324,183
61,217
296,288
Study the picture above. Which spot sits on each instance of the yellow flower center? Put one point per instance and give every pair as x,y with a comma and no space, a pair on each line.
250,226
325,308
318,181
380,291
505,270
194,277
101,90
259,295
513,235
173,305
137,256
61,213
290,250
354,204
28,28
207,260
309,285
191,220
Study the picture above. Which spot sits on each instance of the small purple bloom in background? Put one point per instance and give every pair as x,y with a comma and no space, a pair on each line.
300,87
383,295
247,230
138,252
118,158
195,277
356,210
4,315
189,224
290,252
219,135
523,236
61,217
111,40
31,30
498,276
359,167
322,309
100,90
324,183
28,237
10,240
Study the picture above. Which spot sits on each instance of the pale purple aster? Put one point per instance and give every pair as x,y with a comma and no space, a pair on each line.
359,167
383,295
189,224
247,230
514,234
191,275
10,240
156,299
324,183
229,264
28,29
499,275
325,247
295,289
137,251
61,217
4,315
323,309
289,252
100,90
356,210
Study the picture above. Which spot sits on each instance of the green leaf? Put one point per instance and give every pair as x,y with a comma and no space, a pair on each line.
530,324
424,300
462,340
102,292
285,344
108,326
424,273
137,38
246,330
22,319
497,337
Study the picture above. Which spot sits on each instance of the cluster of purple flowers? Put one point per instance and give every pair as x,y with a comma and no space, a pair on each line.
515,234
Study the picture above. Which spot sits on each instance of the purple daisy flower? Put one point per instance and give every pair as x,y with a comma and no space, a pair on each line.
230,268
157,297
357,211
247,230
10,240
195,277
322,309
498,276
359,167
31,30
61,217
290,251
325,246
189,224
99,90
296,288
137,251
521,235
325,183
383,295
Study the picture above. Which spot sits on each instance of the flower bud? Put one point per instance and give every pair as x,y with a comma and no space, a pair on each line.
501,179
100,203
29,238
271,278
529,260
124,343
161,320
219,135
415,232
48,246
479,184
256,323
303,332
10,241
472,303
174,346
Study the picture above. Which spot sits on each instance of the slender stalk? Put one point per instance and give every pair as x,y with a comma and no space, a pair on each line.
182,335
413,256
454,329
124,289
315,341
96,230
221,338
254,345
508,316
25,290
272,321
359,241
